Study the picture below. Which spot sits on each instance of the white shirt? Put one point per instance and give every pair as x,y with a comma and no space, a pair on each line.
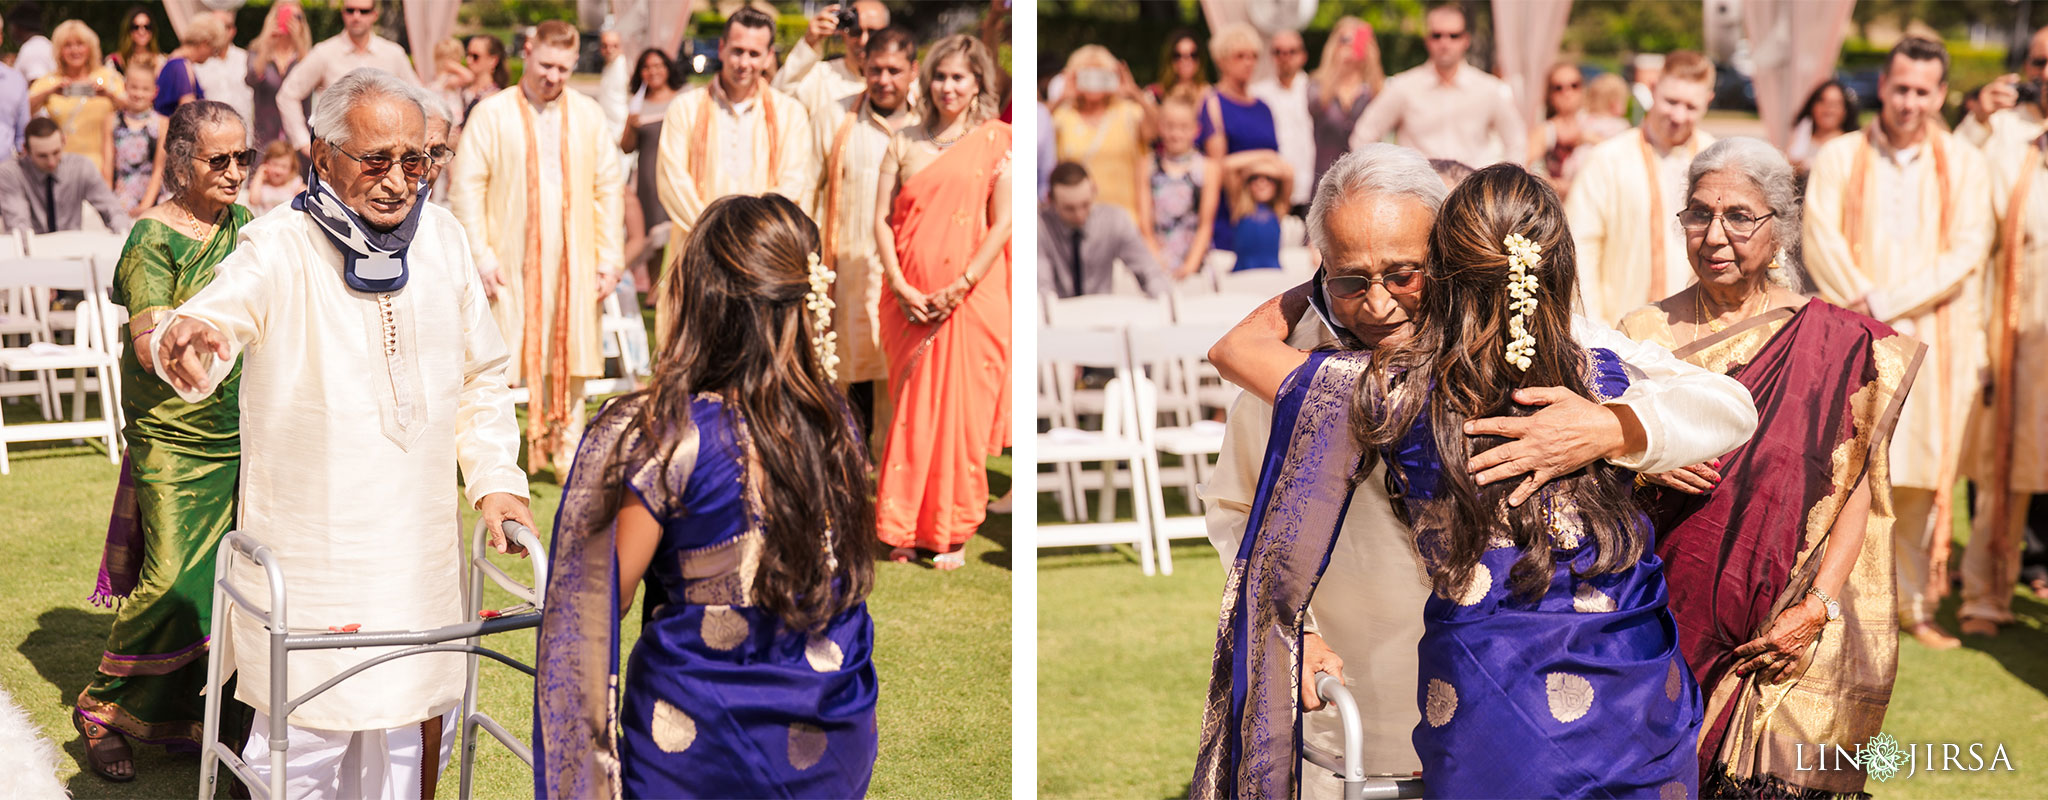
224,77
613,86
36,58
1294,127
357,411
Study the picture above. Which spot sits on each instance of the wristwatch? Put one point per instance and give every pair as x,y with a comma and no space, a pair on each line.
1834,608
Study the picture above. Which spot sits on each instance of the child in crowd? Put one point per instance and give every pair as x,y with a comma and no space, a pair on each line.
1259,183
277,182
134,161
1185,191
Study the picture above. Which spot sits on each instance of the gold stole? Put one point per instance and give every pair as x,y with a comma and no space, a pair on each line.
830,210
547,372
2005,341
1658,222
702,165
1856,229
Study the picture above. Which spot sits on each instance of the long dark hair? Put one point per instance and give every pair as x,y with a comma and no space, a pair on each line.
741,330
675,79
500,76
1455,368
1849,109
1168,81
126,51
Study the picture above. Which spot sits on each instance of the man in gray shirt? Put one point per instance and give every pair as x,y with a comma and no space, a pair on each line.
1078,240
42,191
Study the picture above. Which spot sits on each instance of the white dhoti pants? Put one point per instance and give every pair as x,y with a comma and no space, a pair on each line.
384,764
1912,540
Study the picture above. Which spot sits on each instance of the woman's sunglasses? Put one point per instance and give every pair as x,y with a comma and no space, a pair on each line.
1398,282
220,162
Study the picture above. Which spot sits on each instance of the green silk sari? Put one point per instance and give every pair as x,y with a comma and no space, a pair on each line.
183,464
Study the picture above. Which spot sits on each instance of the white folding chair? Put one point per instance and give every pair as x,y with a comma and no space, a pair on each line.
1106,311
1262,282
624,338
101,247
1118,441
1226,308
1174,352
87,353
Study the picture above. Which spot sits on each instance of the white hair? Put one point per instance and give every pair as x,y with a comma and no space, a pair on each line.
330,112
433,106
1766,169
1377,168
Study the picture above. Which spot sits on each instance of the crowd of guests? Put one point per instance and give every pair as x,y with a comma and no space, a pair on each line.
1869,289
824,240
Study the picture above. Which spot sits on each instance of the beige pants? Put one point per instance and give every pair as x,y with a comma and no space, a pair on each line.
1910,547
386,764
1988,577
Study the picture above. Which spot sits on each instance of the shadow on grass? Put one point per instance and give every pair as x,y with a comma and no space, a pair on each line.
2017,647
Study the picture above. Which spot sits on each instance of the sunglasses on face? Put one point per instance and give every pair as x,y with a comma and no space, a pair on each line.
140,26
1564,87
351,12
1183,56
1440,35
375,166
1288,52
1398,282
220,162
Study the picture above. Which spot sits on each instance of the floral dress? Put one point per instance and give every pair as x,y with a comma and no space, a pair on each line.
1176,206
135,142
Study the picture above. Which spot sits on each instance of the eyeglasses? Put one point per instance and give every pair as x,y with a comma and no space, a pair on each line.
219,163
1740,225
1440,35
1399,282
374,166
1293,51
140,26
440,153
476,55
363,12
1185,56
1565,87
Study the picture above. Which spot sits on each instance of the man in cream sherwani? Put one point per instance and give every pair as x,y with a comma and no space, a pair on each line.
371,372
1898,226
851,136
821,84
535,233
1372,212
1625,200
2000,114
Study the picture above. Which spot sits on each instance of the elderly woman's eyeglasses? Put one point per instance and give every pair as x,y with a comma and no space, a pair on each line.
374,166
440,153
220,162
1740,224
1399,282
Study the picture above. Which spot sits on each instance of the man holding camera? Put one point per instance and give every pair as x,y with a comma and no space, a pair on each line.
821,85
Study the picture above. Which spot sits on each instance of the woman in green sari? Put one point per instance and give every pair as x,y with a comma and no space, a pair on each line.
177,494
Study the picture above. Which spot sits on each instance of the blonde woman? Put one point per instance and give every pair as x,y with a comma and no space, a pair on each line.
80,94
1349,77
1104,122
1233,121
282,43
945,254
177,83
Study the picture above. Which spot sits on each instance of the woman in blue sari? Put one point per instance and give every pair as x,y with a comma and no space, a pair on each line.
1549,664
736,484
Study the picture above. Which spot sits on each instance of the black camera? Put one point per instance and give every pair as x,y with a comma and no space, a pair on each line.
849,19
2029,92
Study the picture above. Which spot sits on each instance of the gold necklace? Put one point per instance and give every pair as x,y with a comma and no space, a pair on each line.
200,230
1714,324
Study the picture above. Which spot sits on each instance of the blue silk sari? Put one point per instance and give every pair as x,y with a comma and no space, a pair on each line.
720,699
1582,693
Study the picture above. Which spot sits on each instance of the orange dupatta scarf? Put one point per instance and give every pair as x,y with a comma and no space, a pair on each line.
2004,347
1658,222
833,179
701,163
546,371
1855,226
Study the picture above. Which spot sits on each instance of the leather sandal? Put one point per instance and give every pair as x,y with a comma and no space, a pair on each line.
105,749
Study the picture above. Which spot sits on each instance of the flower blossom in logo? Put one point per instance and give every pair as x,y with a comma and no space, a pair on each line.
1882,757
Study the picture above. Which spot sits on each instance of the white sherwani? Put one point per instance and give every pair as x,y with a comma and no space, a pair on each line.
1910,281
737,146
356,411
1368,606
1610,212
488,193
857,294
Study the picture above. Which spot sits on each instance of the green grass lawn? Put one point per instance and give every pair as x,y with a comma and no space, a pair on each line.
1123,662
942,644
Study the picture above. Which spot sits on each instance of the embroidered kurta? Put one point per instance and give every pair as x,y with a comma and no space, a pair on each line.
738,146
1614,217
488,193
1368,606
849,223
356,411
1896,260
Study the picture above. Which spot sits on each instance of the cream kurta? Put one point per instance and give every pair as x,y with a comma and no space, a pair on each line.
2022,122
349,456
796,174
1910,283
2008,151
818,84
1368,606
1609,209
488,193
858,291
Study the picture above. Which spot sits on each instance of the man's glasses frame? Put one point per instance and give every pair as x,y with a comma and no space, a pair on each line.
1398,282
376,165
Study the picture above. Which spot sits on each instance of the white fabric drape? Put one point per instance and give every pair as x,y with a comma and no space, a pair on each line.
1526,36
1795,44
182,11
427,22
651,23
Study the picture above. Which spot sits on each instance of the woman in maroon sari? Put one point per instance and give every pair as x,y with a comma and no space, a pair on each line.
1778,554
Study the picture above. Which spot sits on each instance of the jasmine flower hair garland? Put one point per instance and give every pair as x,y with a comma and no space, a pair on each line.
1524,257
824,340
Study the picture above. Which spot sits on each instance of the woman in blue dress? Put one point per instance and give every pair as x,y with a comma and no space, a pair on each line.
738,487
1549,664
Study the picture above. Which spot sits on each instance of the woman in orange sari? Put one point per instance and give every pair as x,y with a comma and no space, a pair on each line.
945,252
